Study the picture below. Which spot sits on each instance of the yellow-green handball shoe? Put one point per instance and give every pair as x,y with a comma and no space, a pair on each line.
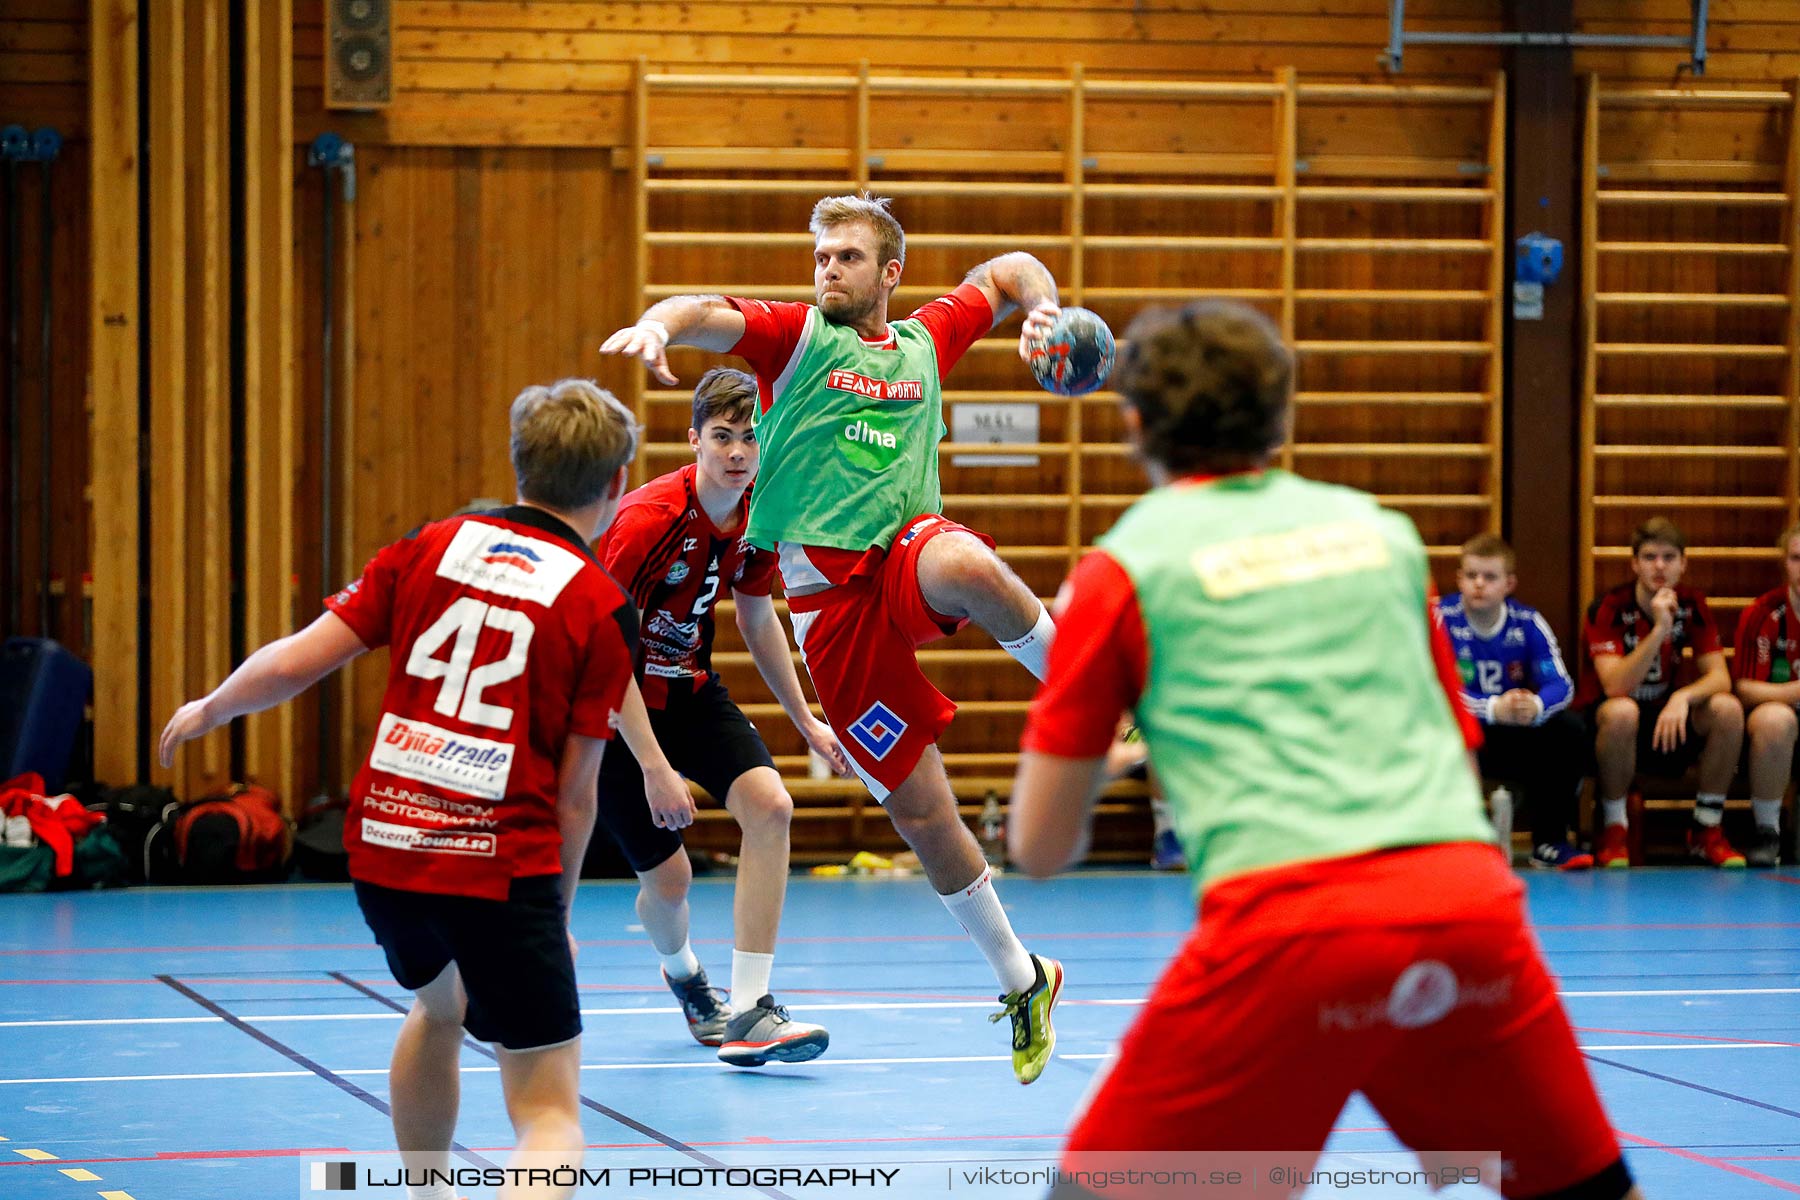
1033,1036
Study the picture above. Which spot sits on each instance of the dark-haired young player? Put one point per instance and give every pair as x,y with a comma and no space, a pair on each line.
677,545
1642,718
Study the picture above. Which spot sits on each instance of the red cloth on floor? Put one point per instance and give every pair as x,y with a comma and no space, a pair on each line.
58,821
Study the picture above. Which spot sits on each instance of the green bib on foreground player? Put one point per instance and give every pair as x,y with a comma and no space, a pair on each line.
849,446
1292,707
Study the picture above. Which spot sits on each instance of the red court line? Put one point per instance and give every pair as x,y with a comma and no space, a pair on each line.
184,1155
309,982
1686,1037
67,982
192,949
1709,1161
751,1141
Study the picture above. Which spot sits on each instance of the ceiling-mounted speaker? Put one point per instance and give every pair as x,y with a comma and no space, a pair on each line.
359,55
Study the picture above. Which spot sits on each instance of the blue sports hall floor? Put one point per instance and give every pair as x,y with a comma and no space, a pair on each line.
189,1044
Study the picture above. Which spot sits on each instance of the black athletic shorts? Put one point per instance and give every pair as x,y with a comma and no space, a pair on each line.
1661,764
513,955
706,737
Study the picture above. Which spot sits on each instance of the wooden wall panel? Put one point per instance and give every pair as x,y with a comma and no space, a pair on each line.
469,72
450,330
44,64
114,323
1690,405
67,467
271,426
43,74
1748,41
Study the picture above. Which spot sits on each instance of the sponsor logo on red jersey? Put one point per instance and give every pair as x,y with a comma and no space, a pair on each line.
417,750
435,841
513,554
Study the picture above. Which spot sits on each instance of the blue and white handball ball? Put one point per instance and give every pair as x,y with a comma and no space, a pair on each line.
1075,356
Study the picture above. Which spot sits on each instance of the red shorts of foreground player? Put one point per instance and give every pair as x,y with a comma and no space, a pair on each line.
1407,975
858,639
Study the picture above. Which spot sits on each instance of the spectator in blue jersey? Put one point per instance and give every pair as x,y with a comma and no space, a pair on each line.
1515,684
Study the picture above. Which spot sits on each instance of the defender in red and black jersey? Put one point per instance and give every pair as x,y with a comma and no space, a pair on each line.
678,543
1766,662
510,656
1632,644
680,561
505,637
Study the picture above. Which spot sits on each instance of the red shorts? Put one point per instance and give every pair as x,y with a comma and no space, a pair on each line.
1261,1028
857,641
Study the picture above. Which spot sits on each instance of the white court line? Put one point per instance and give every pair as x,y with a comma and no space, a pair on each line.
705,1065
890,1006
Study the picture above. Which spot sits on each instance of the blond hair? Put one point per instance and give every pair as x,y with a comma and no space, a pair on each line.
1788,535
862,208
1490,545
569,440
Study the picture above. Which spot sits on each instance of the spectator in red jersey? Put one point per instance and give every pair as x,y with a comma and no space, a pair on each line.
510,651
678,541
1633,642
1766,661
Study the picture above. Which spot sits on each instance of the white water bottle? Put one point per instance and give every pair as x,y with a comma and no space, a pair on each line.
1500,811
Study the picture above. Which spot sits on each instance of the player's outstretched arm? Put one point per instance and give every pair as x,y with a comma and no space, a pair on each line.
768,647
1018,280
577,781
1052,812
279,671
705,322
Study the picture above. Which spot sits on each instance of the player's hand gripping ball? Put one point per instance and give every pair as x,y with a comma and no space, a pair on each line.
1075,356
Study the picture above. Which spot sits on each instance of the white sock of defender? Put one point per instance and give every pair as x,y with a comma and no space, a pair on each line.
977,909
437,1191
1709,808
1033,650
682,964
1614,811
1767,812
749,978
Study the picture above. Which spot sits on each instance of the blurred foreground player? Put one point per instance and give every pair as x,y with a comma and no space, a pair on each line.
510,651
1357,930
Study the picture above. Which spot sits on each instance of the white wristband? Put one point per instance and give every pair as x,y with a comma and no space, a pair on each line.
657,326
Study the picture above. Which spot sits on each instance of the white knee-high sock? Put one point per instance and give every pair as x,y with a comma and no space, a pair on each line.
977,908
1033,650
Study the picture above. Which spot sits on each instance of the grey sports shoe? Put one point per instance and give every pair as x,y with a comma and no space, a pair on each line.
703,1005
1765,848
766,1033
